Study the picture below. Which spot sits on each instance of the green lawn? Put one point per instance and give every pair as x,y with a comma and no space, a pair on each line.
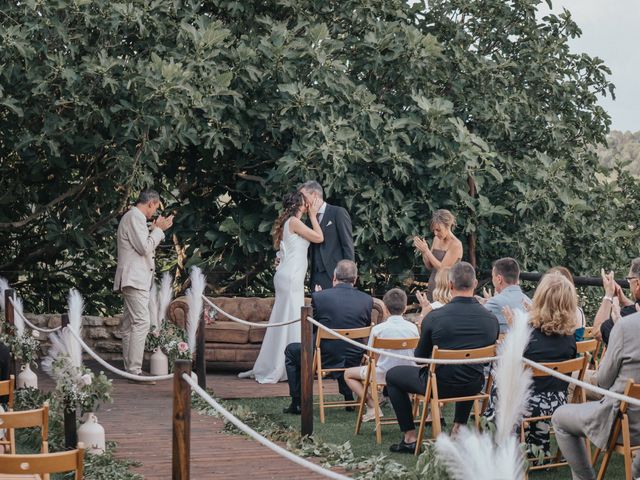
339,428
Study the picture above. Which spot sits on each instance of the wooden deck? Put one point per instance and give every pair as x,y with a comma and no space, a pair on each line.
139,421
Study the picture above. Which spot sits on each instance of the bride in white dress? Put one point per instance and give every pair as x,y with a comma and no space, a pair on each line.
292,237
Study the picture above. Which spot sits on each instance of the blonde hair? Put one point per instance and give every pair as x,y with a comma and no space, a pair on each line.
442,292
554,306
443,217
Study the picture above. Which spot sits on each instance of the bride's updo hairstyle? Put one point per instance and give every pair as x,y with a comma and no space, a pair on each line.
291,203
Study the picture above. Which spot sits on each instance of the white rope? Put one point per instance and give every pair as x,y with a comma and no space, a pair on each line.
245,322
34,327
115,370
256,436
580,383
437,361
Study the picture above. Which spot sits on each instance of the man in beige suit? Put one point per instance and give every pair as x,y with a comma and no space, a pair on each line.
136,265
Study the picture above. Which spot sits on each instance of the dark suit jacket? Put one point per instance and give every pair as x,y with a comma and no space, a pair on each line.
338,240
342,306
459,325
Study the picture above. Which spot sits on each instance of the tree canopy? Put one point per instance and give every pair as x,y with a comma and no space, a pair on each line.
223,106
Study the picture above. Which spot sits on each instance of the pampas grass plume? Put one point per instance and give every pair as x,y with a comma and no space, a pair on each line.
75,306
153,306
3,286
194,300
164,296
18,321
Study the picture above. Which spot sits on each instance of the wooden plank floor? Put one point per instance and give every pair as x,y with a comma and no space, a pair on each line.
139,421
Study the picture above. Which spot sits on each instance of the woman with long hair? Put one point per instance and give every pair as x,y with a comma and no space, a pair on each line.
553,318
446,249
581,321
291,237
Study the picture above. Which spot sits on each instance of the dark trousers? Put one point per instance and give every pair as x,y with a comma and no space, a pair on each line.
292,362
404,380
321,278
5,368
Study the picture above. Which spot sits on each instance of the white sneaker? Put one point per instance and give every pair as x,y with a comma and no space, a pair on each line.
247,374
370,415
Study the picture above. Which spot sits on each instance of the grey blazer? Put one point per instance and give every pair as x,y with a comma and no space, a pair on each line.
136,251
621,362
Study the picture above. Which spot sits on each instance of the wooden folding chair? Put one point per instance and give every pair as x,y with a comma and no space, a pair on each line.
621,423
352,333
432,399
41,465
26,419
567,368
371,383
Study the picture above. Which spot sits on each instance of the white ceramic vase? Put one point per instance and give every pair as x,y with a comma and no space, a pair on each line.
27,378
159,363
91,433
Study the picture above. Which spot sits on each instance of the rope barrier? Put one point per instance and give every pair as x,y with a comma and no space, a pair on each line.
31,325
259,438
437,361
245,322
117,371
582,384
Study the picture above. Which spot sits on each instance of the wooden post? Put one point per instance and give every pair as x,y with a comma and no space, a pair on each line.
306,375
70,425
201,361
9,316
471,238
181,421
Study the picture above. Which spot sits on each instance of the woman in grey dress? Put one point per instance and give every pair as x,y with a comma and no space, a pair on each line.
446,249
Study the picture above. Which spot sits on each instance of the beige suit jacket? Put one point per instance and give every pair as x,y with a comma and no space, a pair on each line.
136,251
621,362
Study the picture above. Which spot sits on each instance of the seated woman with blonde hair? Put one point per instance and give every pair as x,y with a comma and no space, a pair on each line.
552,316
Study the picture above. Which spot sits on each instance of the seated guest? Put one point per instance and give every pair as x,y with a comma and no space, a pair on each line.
603,320
441,294
505,276
395,326
342,306
573,422
552,317
461,324
580,318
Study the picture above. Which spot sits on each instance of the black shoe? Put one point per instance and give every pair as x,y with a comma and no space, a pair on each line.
349,409
293,409
403,447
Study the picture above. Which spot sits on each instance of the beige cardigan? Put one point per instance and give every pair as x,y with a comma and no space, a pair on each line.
136,251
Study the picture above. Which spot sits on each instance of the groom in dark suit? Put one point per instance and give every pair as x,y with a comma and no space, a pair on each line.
338,238
342,306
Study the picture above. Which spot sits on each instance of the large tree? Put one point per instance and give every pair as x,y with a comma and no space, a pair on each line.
473,105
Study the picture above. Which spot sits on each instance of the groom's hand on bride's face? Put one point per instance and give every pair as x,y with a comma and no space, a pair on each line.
318,288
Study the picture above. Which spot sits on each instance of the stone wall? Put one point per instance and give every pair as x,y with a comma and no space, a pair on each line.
102,334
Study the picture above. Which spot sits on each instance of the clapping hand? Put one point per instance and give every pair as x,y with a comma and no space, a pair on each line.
508,315
425,305
608,283
420,244
163,223
615,310
317,288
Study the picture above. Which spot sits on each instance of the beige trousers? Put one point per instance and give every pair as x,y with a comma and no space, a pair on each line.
135,326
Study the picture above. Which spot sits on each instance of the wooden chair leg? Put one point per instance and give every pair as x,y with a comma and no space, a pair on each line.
604,464
363,402
626,442
436,425
320,391
421,426
594,456
374,395
476,413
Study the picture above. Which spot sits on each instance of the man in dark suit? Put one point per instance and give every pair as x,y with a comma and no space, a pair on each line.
338,238
459,325
342,306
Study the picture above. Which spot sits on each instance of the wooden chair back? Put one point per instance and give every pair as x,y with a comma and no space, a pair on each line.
395,343
38,417
45,463
6,389
352,333
587,346
567,367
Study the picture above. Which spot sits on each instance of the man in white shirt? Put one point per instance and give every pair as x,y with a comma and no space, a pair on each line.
134,274
395,326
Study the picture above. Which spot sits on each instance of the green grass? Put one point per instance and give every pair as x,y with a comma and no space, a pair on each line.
339,427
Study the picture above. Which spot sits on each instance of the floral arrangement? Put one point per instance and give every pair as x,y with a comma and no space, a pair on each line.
78,387
25,347
171,339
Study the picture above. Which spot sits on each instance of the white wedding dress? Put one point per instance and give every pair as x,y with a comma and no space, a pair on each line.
289,285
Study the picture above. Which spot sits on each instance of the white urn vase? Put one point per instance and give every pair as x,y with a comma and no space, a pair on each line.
159,363
27,378
91,433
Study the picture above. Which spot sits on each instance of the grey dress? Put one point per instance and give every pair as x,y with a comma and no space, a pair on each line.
439,254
